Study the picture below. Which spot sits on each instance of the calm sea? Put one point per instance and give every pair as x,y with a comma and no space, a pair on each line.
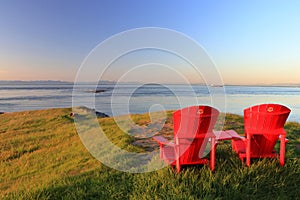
132,98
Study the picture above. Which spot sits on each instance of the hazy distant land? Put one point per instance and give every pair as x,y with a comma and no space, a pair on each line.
58,82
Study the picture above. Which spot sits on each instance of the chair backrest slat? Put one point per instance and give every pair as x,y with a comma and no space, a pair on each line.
265,118
194,121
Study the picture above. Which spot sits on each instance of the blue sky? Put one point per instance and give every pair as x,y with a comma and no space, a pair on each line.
251,42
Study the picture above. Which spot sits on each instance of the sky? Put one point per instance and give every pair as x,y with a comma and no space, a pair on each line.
250,42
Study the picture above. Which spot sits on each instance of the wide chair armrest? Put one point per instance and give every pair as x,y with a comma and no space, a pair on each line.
163,141
234,134
228,135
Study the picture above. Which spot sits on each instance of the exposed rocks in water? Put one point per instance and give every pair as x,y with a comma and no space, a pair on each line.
97,91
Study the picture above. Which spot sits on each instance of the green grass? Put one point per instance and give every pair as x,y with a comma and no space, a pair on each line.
42,157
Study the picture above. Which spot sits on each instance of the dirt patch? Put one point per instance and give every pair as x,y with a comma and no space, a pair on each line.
149,144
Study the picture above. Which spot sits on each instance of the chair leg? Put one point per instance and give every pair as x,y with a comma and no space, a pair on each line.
213,146
178,166
177,157
161,155
248,150
282,150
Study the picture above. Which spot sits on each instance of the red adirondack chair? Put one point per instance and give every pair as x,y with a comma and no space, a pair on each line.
263,128
193,130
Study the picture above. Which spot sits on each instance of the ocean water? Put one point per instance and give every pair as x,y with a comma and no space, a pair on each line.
133,98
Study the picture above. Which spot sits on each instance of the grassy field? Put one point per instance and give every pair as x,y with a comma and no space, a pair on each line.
42,157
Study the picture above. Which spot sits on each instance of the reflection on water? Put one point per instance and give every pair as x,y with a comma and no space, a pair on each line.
133,98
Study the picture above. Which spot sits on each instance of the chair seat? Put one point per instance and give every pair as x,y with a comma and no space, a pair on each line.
239,146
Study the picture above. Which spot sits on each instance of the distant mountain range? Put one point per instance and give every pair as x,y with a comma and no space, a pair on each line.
52,82
35,82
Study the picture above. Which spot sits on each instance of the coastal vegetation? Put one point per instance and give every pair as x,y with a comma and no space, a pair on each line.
42,157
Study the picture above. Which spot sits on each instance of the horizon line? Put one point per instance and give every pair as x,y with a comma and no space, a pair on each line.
133,82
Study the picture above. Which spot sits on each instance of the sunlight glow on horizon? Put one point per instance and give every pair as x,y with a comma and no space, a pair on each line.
255,42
